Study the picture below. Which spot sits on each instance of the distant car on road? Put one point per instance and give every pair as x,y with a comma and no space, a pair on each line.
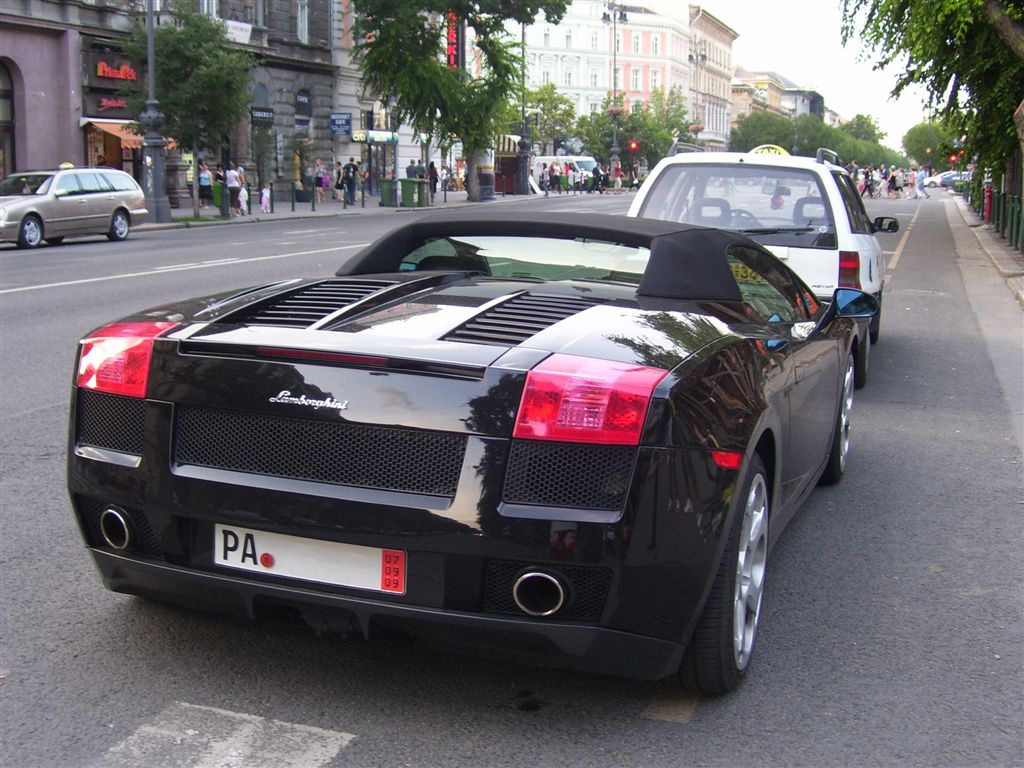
950,180
47,206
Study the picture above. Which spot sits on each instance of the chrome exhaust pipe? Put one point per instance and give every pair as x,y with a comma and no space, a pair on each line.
538,593
116,529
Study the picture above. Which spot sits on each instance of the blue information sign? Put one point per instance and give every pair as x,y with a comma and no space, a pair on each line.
341,123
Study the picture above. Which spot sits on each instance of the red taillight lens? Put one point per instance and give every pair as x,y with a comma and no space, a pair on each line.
582,400
727,459
849,269
115,359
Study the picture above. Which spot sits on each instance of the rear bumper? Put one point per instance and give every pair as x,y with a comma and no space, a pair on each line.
584,647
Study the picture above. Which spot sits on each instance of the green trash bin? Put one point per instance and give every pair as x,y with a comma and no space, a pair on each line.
422,201
387,192
408,193
217,192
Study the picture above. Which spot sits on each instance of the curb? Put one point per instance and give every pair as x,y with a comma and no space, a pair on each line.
1008,263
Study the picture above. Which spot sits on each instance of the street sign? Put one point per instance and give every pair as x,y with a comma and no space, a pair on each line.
341,123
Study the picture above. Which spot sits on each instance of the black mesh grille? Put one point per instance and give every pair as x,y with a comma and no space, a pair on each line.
91,510
369,457
568,474
588,588
519,318
107,421
308,305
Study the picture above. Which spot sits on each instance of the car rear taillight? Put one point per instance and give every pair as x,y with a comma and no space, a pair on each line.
849,269
580,399
115,359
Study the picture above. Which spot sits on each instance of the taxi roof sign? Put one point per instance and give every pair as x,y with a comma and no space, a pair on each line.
768,149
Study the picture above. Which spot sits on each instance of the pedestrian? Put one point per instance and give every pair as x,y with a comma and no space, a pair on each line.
319,174
349,174
555,176
443,177
234,187
410,169
912,183
618,177
265,198
205,185
921,191
432,177
421,170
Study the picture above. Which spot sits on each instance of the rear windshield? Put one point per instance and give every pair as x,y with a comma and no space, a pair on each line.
775,206
24,184
531,258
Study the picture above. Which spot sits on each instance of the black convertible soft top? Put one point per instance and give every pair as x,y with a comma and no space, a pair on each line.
686,262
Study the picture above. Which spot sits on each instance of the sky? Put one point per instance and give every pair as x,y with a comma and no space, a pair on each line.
802,41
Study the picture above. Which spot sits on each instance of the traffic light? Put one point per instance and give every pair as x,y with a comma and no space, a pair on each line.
634,145
952,158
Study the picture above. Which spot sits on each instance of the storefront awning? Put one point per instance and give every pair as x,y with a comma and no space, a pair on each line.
120,130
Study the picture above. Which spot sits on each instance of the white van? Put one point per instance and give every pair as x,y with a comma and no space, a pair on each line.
585,164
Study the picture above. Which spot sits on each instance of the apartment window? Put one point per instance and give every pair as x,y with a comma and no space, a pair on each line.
208,7
636,43
567,78
547,38
594,39
593,79
545,77
635,81
655,79
655,45
568,39
302,20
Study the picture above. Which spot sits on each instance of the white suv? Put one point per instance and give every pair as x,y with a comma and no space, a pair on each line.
804,210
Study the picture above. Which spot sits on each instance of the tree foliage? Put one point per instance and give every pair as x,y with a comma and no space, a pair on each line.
930,144
201,79
554,115
805,134
968,55
401,50
863,127
651,125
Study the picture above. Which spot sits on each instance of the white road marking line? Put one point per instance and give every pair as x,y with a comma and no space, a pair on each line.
671,706
178,268
207,737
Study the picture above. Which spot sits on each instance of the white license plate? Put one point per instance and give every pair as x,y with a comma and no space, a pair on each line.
327,562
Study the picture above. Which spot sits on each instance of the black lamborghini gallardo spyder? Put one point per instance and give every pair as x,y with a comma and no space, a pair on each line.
570,440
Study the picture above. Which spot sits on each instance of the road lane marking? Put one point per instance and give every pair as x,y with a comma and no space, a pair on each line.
178,268
207,737
671,706
903,240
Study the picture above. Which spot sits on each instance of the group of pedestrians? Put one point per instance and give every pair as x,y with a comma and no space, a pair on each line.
892,182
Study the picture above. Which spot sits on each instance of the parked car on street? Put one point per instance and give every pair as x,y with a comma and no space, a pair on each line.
47,206
807,211
569,439
936,180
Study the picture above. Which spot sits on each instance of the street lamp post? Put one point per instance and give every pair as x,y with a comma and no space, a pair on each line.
615,14
523,155
153,144
699,59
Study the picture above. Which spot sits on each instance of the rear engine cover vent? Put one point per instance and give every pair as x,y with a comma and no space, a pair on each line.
307,305
514,321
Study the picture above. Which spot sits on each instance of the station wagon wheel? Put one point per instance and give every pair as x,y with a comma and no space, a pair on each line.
118,226
840,449
30,233
720,650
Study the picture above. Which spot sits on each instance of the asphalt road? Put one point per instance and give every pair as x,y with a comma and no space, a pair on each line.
892,633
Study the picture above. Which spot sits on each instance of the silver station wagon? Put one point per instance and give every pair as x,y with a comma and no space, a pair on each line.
38,206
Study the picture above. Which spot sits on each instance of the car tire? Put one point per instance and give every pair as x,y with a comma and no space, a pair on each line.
30,232
840,448
55,240
861,363
718,655
119,226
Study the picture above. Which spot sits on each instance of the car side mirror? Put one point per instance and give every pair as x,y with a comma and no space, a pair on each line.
849,302
886,224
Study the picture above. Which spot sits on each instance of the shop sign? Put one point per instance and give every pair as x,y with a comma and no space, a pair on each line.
375,137
303,104
107,70
456,44
106,105
341,123
261,115
238,31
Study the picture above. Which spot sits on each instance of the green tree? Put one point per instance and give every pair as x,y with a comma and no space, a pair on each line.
930,144
968,55
201,79
555,115
650,125
762,128
402,54
863,127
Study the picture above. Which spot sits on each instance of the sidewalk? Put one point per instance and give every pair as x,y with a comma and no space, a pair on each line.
182,217
1008,262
